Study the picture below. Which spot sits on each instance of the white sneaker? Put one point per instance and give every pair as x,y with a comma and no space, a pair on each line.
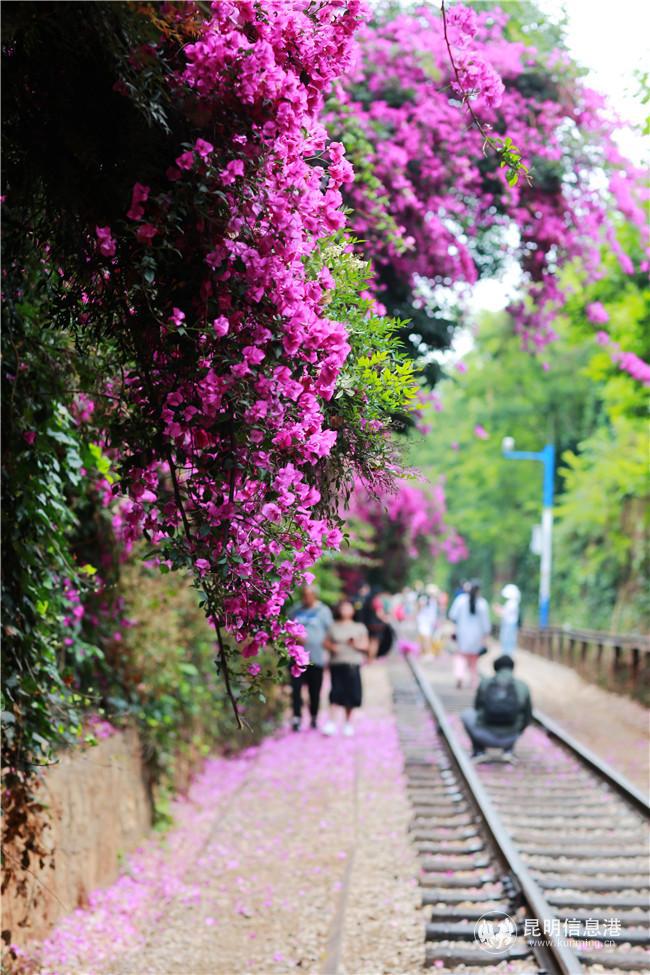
480,758
329,729
348,730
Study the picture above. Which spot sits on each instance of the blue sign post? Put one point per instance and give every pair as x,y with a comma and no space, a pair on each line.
547,457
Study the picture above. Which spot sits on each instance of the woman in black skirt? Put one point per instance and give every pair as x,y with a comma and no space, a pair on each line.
347,642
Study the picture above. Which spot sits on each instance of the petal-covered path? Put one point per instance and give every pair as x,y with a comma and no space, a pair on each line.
294,855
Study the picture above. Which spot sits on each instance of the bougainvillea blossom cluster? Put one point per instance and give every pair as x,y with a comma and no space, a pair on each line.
628,362
418,515
224,421
445,190
235,365
474,76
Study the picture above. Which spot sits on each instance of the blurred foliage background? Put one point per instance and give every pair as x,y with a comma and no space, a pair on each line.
596,415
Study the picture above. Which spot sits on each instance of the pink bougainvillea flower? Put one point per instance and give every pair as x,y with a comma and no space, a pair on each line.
481,432
29,436
597,313
203,148
253,355
408,648
139,195
234,169
220,326
106,243
417,516
239,370
185,160
272,512
636,367
478,79
484,67
146,233
254,669
177,316
461,367
462,23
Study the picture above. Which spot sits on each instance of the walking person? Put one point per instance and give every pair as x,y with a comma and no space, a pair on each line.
372,617
348,644
502,709
316,618
509,614
359,601
471,614
426,622
383,608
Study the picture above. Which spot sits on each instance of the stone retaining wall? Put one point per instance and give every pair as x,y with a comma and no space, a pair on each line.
98,810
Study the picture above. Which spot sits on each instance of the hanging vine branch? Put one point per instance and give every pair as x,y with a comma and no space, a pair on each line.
508,154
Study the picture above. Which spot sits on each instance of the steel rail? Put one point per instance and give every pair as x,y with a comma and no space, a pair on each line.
605,771
562,958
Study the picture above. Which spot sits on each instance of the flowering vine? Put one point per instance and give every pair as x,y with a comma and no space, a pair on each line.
439,203
629,362
475,77
249,369
208,294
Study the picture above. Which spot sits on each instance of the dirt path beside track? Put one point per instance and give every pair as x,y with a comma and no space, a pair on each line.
301,862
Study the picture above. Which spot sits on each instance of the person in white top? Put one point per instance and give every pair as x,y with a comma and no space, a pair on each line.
471,614
509,614
426,620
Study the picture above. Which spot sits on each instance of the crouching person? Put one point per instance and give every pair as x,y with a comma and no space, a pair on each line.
502,709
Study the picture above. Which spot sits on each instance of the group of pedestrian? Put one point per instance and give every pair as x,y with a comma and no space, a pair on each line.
337,643
423,608
502,705
340,642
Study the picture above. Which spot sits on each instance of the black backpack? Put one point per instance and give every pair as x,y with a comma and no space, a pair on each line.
500,702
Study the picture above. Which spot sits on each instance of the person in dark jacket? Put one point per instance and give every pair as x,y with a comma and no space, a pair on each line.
316,618
502,709
373,618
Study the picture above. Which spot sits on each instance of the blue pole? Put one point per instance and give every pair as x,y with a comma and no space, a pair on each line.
547,457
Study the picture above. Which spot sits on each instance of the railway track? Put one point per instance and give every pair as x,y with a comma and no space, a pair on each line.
537,867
